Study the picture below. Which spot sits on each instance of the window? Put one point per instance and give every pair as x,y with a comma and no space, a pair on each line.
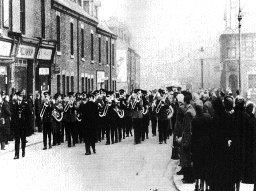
92,47
113,54
231,53
252,81
82,43
58,83
58,32
43,18
22,17
110,53
80,2
72,83
86,6
107,52
89,84
92,84
63,84
82,80
113,85
99,49
71,38
106,85
67,84
6,11
86,84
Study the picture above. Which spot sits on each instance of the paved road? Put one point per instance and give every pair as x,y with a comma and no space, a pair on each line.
122,166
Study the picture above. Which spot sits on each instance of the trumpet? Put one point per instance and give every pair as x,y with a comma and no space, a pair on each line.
57,115
46,104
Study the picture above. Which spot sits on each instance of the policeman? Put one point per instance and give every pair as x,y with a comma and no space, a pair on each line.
21,124
46,115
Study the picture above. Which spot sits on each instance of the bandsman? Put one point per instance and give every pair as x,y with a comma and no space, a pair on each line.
57,114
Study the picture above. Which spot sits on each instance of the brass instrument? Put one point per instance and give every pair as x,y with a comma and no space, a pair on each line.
104,113
46,104
119,112
57,115
78,115
137,100
70,104
159,106
145,110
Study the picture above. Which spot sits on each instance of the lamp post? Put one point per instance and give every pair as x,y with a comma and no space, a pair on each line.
239,18
202,67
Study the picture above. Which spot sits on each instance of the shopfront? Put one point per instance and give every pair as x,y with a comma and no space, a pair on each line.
43,69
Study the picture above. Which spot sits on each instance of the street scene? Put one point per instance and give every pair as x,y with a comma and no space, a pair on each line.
126,95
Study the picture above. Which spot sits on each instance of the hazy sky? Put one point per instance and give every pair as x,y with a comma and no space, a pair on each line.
165,30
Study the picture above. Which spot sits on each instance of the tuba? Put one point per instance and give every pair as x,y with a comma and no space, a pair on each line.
46,104
57,115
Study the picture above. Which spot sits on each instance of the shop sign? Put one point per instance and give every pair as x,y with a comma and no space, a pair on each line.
27,52
44,71
5,49
3,71
44,54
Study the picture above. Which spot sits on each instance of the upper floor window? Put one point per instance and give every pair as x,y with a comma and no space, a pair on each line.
79,2
71,38
6,15
82,43
92,47
86,5
58,31
22,16
106,52
231,53
99,49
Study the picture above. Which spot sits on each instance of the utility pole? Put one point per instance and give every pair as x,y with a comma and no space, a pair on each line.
239,48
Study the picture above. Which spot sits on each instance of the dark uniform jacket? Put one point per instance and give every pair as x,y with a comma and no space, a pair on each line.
6,114
137,110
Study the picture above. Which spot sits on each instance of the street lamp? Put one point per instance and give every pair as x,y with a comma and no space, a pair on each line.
202,67
239,18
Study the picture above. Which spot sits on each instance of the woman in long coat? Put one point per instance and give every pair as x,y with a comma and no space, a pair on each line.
6,114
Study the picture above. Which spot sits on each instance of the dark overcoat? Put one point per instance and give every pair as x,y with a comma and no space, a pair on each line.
6,114
89,115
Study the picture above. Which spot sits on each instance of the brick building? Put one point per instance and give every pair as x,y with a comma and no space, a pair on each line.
55,45
229,49
127,60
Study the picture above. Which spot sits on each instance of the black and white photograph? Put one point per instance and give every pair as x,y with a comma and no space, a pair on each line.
128,95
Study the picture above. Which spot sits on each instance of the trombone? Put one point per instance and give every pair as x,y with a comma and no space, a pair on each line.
46,104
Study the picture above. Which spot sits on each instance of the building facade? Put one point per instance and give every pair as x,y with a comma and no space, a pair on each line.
229,49
127,60
56,46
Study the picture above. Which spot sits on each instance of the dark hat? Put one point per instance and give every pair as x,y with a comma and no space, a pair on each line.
70,93
102,90
19,93
96,92
136,90
90,95
110,93
46,93
161,91
77,94
144,92
56,95
179,88
170,88
121,91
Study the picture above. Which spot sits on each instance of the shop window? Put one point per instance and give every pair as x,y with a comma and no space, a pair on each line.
63,84
82,80
82,43
22,17
71,38
231,53
58,83
58,32
67,78
72,84
43,18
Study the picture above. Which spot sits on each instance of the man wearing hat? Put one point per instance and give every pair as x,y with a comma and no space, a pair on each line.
100,103
21,123
89,115
136,104
145,119
56,125
70,118
122,106
46,115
